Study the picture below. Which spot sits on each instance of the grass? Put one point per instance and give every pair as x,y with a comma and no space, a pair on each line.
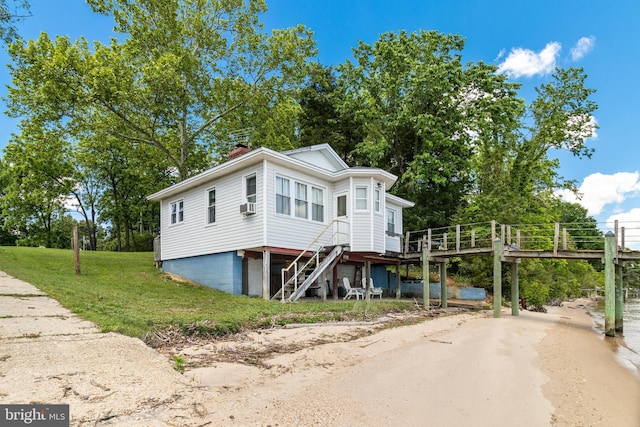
123,292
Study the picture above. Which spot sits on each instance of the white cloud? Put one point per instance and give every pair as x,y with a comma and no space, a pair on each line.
582,47
631,222
525,62
598,190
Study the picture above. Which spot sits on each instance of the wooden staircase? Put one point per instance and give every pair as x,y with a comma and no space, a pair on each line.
303,277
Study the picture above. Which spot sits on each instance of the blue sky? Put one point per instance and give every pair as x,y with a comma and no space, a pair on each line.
526,39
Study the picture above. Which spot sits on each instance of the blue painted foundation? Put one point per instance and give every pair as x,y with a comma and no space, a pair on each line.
219,271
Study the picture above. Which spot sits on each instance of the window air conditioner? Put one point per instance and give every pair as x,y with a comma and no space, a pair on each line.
248,208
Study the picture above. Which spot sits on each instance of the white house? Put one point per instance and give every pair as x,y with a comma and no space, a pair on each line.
236,226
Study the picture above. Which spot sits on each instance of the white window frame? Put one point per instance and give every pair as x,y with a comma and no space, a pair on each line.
346,205
283,196
301,203
250,197
209,205
360,199
320,204
377,200
176,212
395,221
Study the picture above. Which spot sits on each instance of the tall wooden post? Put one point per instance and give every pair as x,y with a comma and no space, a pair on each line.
515,290
443,285
76,248
497,277
367,286
609,284
266,275
425,278
398,282
619,299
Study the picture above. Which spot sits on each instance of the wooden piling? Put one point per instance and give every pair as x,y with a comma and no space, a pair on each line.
497,278
609,284
619,300
443,285
515,290
425,277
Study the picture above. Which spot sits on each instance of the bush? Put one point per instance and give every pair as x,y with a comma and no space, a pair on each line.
536,295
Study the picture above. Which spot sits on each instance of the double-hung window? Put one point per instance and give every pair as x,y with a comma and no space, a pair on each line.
250,189
211,206
317,204
283,196
361,198
177,212
376,200
301,200
391,221
341,205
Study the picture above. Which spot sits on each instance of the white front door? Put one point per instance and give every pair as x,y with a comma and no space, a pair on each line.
341,215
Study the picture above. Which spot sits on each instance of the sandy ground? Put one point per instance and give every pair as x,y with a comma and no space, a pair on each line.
456,370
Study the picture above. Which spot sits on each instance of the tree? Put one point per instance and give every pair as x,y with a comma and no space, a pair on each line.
36,189
411,93
515,179
11,12
321,119
182,69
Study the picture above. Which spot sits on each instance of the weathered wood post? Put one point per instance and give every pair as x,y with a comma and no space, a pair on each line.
367,281
515,289
76,248
609,284
497,277
619,299
266,275
425,277
443,285
398,282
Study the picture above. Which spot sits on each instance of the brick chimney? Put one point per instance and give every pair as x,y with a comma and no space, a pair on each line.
238,151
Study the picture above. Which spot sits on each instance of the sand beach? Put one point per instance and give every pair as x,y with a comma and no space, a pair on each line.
455,369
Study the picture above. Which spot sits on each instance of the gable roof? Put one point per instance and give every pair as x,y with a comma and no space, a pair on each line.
318,160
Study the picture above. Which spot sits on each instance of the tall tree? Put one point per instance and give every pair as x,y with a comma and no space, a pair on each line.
515,176
411,92
321,120
181,68
37,187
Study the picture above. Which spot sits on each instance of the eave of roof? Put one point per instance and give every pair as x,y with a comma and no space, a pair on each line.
261,154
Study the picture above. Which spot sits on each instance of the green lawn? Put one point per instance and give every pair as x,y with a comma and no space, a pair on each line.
123,292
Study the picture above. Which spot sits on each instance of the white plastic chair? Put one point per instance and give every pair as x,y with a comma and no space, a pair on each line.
358,292
372,291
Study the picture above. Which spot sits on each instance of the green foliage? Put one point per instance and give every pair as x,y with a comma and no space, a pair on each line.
178,363
181,69
536,295
405,90
11,12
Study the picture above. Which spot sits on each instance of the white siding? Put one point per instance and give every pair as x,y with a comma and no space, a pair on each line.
288,231
318,158
231,231
394,243
361,220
